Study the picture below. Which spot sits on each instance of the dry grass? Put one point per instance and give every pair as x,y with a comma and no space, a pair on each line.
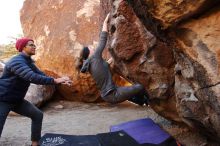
6,51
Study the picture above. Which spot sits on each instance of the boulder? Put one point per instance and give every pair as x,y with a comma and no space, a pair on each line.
66,27
197,79
39,94
178,64
60,29
141,57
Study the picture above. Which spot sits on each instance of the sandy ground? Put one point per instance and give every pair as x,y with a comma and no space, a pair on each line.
80,118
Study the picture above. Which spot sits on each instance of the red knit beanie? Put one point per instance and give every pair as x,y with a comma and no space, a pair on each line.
21,43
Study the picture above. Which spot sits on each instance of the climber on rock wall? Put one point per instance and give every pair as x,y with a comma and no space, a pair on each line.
100,71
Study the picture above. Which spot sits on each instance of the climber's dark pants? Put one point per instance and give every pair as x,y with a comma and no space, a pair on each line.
26,109
121,94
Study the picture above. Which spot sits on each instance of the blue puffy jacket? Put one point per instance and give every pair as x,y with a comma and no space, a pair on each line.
18,73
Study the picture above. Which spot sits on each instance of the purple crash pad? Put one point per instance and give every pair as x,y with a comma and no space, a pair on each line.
143,131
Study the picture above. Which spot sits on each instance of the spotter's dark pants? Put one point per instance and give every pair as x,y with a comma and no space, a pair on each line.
26,109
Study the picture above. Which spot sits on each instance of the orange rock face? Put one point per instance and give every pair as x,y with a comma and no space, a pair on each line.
60,29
